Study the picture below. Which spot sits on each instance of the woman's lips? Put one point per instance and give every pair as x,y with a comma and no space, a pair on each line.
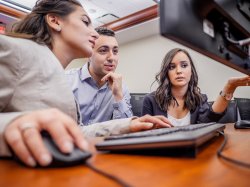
179,78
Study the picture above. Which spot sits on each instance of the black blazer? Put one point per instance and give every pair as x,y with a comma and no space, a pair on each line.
202,114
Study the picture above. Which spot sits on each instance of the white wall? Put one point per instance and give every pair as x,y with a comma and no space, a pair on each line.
76,63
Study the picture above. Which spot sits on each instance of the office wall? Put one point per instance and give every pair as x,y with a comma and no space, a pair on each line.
141,59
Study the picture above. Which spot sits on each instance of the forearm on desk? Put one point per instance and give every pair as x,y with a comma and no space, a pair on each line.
112,127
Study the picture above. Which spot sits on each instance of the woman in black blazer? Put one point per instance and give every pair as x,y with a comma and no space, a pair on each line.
178,96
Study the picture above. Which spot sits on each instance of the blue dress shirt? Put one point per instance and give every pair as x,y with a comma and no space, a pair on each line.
97,104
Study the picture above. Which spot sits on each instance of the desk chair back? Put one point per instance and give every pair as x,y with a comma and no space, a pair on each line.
136,102
231,113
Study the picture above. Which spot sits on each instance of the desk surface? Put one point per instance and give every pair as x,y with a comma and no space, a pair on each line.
204,170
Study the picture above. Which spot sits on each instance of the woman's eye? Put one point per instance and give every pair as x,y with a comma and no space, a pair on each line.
171,67
184,65
86,22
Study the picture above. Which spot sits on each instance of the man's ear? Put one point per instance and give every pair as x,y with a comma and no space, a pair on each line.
54,22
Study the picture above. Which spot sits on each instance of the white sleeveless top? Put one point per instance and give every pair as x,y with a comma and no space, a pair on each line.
180,122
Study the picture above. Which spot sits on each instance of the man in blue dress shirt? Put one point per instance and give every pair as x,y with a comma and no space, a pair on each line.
98,89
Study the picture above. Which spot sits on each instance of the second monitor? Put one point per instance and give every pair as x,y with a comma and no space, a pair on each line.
219,29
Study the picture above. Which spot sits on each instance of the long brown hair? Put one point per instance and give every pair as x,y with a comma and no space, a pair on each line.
163,94
34,25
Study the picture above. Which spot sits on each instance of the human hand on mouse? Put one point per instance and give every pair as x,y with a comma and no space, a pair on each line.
24,138
148,122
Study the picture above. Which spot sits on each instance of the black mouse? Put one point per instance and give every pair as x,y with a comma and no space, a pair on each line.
242,124
59,159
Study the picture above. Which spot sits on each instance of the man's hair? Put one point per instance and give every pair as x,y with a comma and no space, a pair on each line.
105,31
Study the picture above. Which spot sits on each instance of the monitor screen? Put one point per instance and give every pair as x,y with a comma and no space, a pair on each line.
219,29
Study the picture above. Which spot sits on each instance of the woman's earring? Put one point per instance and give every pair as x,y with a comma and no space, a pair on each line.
58,29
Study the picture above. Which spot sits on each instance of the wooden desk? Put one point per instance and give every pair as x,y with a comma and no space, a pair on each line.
152,171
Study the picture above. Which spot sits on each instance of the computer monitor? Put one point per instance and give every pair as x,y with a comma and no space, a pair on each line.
219,29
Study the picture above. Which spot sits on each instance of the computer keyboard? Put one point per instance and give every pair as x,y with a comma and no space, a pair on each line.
159,132
187,136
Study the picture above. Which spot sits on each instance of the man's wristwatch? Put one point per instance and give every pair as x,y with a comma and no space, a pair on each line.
226,96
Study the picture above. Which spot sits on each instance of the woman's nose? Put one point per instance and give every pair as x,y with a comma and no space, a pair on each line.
178,69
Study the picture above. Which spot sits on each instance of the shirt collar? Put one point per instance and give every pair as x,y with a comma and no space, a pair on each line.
84,75
84,72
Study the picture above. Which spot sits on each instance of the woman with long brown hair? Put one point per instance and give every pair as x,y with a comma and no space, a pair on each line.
178,96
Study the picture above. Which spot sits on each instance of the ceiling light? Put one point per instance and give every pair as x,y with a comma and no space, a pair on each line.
107,18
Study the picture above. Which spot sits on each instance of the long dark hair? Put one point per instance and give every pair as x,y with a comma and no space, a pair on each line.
163,94
34,25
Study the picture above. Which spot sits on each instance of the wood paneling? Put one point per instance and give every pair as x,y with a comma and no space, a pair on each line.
133,19
122,23
11,12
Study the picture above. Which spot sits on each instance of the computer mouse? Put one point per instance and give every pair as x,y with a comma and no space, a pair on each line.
242,124
59,159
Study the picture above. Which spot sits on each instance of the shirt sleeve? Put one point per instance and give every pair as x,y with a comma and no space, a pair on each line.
9,76
206,113
122,109
107,128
